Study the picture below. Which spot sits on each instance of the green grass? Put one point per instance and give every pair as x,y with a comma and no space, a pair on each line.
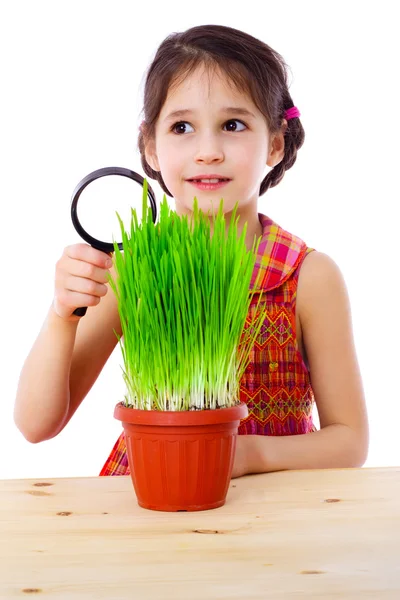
183,298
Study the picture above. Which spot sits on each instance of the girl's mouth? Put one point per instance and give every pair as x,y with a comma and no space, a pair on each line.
208,184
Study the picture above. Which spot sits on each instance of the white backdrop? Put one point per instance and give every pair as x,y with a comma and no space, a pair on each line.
72,82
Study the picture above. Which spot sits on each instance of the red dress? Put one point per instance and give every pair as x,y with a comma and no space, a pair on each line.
276,385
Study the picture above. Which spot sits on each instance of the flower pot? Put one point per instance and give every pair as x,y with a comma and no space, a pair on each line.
181,460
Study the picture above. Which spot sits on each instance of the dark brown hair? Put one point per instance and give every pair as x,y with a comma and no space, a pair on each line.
250,64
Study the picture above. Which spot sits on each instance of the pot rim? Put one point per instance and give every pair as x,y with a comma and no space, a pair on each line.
180,417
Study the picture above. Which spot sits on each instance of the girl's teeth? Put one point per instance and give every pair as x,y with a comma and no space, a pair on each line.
209,180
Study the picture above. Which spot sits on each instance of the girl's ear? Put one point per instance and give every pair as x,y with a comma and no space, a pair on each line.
276,150
151,155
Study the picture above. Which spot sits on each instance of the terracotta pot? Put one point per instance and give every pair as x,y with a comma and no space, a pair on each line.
181,460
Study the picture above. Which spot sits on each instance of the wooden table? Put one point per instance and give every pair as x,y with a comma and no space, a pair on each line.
293,534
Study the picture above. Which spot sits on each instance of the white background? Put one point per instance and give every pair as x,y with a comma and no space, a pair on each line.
72,82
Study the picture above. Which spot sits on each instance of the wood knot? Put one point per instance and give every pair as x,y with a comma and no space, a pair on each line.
31,591
311,572
65,513
332,500
42,484
207,531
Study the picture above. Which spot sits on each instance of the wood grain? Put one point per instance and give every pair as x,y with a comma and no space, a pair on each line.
293,534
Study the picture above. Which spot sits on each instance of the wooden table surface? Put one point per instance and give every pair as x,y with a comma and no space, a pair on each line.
292,534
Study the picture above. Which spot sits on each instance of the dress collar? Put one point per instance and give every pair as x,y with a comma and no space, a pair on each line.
278,256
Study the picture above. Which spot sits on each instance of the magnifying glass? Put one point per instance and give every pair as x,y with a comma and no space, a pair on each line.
99,204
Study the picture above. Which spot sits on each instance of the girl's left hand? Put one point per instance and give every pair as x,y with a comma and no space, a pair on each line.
250,455
240,462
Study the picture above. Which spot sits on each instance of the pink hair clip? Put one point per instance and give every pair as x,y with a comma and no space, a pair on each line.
291,113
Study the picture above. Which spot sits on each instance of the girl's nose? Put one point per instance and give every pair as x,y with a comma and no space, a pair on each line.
209,149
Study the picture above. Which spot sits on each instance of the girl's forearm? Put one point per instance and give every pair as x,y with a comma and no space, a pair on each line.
43,389
334,446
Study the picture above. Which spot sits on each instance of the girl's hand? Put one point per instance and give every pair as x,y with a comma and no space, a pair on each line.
240,463
80,277
251,456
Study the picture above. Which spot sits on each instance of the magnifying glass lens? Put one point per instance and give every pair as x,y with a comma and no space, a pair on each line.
102,199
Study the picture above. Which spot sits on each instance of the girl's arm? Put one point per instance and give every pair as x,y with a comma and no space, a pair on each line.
62,366
325,316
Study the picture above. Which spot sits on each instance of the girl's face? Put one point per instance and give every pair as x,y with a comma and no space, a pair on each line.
209,139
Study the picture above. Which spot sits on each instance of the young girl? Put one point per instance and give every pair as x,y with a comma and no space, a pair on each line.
217,107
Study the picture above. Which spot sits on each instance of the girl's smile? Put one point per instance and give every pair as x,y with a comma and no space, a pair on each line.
209,184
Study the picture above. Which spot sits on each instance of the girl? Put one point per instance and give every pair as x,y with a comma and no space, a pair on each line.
217,111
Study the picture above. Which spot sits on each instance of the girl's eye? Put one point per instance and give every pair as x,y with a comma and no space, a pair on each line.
182,124
236,121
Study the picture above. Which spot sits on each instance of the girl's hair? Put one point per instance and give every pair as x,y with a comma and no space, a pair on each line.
250,65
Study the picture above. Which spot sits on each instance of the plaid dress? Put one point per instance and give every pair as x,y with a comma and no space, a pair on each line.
276,385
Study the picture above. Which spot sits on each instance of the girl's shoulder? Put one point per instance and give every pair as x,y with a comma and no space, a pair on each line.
320,278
